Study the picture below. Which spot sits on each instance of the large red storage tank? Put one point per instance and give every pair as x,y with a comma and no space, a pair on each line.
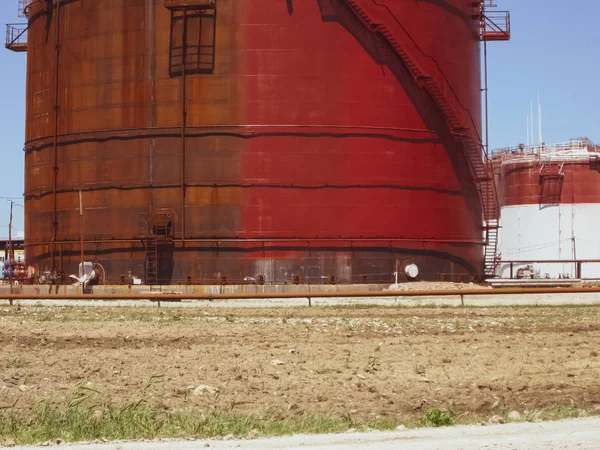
305,148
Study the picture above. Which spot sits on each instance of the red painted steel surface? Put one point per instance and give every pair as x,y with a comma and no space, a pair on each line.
521,184
309,149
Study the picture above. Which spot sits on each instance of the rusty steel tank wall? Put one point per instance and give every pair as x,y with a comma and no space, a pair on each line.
303,150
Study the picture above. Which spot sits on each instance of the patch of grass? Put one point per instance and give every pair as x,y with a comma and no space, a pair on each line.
136,420
559,412
438,418
87,417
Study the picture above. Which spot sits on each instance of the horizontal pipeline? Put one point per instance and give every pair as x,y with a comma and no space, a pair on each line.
303,295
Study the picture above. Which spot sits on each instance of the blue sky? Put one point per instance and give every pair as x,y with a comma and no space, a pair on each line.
554,49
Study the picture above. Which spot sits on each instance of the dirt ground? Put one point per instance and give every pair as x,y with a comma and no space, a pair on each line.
284,362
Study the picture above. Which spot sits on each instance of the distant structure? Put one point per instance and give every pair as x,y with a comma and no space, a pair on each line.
550,210
221,141
14,267
18,250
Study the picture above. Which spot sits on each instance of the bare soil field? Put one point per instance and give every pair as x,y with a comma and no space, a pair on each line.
286,362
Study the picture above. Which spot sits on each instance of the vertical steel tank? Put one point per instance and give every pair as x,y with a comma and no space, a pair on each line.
272,140
550,202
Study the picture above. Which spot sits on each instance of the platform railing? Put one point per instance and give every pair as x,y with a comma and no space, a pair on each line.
16,37
495,26
574,150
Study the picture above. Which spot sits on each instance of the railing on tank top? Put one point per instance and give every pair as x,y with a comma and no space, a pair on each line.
574,150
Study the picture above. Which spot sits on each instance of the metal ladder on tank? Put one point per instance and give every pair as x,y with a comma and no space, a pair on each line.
458,118
491,228
151,261
157,231
151,246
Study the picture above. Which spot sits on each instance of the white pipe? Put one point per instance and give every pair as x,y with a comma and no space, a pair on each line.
540,120
531,120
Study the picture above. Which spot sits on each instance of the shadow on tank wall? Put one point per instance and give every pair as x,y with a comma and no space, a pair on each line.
384,54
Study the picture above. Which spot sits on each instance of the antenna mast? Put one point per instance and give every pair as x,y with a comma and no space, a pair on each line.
540,121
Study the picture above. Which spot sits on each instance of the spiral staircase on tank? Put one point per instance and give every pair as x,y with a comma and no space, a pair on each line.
429,76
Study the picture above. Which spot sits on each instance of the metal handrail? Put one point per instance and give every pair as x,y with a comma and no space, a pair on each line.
549,157
574,150
496,22
580,144
24,6
16,34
